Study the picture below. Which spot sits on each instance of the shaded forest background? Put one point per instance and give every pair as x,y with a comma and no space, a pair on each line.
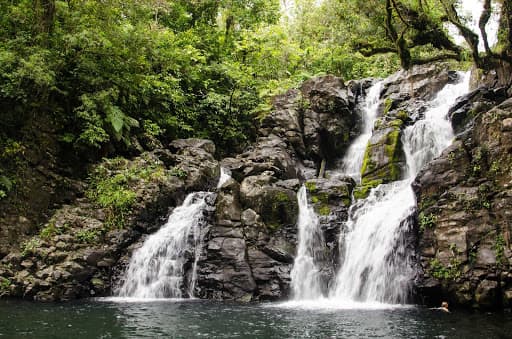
104,78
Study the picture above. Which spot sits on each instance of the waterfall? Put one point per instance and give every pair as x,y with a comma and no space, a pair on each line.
376,266
225,175
353,159
157,269
305,274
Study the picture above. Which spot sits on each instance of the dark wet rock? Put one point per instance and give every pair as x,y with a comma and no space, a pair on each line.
330,118
464,214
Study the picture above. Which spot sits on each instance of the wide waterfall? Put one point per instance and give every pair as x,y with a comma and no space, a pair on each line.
376,266
353,160
305,274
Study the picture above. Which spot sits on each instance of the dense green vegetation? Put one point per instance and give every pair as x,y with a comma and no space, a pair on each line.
102,75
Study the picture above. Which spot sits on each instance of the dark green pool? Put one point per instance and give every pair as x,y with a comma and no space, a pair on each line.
200,319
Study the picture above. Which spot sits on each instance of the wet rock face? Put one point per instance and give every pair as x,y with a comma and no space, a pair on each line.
83,247
404,99
330,199
330,118
464,201
243,258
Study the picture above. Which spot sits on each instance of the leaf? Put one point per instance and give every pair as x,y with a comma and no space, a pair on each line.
5,182
116,117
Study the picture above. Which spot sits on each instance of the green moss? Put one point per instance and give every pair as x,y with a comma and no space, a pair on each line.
29,247
361,192
402,115
392,142
281,197
388,104
273,225
368,164
112,182
278,208
322,197
346,137
178,172
378,124
311,186
426,203
324,210
396,123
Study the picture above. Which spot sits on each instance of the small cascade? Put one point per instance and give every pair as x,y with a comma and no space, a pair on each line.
156,270
225,175
305,274
376,265
353,160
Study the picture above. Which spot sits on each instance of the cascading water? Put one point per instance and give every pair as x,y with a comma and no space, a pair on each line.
156,269
353,160
305,274
225,175
376,265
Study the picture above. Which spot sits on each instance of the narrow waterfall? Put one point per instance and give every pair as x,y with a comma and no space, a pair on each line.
156,269
353,160
225,175
305,274
376,266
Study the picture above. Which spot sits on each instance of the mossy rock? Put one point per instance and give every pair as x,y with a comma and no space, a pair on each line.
278,207
384,155
362,192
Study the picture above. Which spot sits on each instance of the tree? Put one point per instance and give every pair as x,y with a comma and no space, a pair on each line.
415,30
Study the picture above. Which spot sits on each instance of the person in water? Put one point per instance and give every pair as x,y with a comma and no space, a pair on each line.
444,307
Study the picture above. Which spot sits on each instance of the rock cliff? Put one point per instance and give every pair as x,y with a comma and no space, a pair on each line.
462,226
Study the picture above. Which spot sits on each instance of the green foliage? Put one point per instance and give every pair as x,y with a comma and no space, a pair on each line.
427,221
178,172
51,230
112,193
112,185
324,210
5,185
450,272
29,247
88,236
499,250
5,284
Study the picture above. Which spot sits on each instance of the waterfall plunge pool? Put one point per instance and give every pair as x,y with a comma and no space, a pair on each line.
207,319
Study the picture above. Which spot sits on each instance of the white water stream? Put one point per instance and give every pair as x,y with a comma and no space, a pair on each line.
305,274
353,160
376,266
156,270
